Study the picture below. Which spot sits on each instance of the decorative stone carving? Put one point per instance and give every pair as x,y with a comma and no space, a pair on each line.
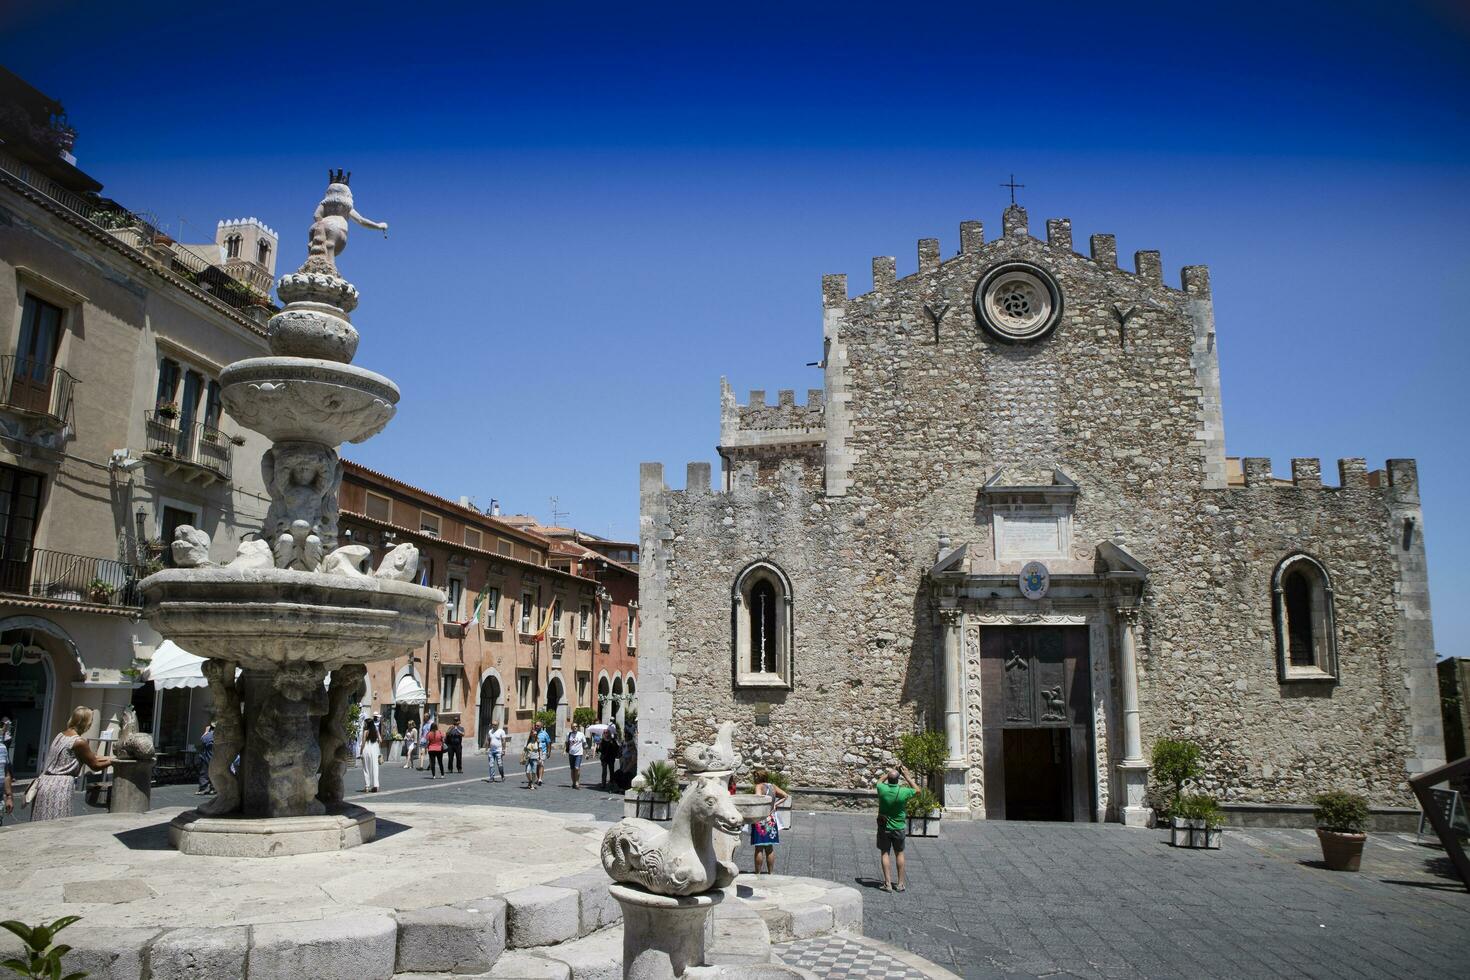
190,547
719,756
350,559
400,564
1018,302
312,332
328,235
229,737
282,754
307,399
679,860
253,553
345,688
314,287
131,743
303,480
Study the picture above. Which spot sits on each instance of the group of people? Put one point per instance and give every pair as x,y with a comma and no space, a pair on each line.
424,747
601,740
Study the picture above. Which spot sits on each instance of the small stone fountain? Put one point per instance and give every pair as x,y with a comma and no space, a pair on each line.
669,879
289,623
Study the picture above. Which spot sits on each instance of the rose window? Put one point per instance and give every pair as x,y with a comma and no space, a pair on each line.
1017,302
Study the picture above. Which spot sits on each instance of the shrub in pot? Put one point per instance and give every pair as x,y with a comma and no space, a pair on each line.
1197,822
1342,819
924,814
659,792
1175,762
584,717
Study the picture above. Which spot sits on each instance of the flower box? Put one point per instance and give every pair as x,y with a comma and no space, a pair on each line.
925,824
1195,834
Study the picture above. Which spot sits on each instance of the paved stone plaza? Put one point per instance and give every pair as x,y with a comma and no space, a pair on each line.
1042,900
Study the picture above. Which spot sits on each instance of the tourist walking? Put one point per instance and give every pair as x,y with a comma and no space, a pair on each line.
608,750
765,835
576,747
368,747
434,743
69,751
531,756
411,746
7,803
543,741
424,741
892,821
454,747
206,753
495,752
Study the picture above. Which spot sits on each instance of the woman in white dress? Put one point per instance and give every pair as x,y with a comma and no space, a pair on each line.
368,748
69,751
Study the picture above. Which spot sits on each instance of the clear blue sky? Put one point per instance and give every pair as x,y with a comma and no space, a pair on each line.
597,210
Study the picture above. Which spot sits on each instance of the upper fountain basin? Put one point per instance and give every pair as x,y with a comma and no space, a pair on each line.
307,399
265,617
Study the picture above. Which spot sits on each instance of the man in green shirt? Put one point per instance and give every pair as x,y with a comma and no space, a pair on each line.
893,821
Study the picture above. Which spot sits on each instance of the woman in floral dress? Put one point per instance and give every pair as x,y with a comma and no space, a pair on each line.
764,836
64,759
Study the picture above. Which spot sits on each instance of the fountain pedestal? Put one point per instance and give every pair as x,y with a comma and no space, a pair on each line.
342,827
663,935
132,786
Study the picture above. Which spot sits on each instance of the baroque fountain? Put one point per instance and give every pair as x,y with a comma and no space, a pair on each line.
288,624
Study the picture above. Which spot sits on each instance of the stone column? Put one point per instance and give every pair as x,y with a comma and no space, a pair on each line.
1134,768
955,767
663,935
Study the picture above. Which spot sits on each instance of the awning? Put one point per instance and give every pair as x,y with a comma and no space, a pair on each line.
174,667
408,690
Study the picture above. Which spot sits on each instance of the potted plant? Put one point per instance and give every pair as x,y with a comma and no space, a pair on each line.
166,409
1176,761
1197,822
100,592
923,754
1342,819
655,791
584,717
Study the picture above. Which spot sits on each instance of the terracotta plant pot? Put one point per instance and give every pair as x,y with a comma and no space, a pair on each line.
1341,852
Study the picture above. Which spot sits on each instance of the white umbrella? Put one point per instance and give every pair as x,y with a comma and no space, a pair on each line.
174,667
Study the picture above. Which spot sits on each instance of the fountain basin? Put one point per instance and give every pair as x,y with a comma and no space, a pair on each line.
307,399
753,807
265,618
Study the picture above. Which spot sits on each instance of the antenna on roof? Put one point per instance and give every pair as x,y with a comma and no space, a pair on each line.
557,515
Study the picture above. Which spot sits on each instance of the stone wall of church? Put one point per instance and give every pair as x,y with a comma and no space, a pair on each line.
1123,398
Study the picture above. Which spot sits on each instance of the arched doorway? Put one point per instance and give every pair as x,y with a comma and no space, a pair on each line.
604,702
556,700
489,706
632,690
617,699
38,660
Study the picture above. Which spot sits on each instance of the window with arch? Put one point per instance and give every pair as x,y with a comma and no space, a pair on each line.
1306,631
762,627
232,246
263,252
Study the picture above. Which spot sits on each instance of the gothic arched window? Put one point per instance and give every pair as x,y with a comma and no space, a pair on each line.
263,252
1306,633
232,247
761,627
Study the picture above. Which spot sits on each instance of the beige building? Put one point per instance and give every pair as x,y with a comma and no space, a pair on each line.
112,433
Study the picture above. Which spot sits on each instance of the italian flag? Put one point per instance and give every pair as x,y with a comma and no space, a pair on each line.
479,609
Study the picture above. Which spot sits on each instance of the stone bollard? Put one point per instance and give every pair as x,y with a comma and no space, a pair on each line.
663,935
132,786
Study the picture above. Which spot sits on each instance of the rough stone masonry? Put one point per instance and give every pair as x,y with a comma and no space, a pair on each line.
1009,517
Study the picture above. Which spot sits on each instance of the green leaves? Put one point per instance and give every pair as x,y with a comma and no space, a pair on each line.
923,752
42,961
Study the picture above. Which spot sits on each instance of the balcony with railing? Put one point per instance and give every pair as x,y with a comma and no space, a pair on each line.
194,451
141,232
60,577
35,389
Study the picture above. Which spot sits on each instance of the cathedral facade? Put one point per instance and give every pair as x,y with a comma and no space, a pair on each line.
1008,516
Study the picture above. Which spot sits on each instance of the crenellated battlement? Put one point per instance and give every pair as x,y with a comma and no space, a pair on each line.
1254,473
1102,251
744,481
758,420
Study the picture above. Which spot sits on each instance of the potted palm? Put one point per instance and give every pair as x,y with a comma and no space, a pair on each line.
923,754
1197,822
654,792
1342,819
100,591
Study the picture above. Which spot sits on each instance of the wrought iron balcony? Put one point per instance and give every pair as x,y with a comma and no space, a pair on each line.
61,577
35,388
195,450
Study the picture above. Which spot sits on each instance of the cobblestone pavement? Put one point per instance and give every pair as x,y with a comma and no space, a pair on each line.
994,899
1011,900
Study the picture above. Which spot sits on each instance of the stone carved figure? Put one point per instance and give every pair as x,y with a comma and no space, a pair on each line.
350,559
718,756
680,859
283,734
253,553
303,479
346,687
131,743
229,736
190,547
400,564
328,235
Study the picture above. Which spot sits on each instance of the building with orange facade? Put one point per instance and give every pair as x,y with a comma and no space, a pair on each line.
533,622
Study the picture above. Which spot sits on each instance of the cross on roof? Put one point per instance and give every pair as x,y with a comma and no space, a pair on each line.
1013,185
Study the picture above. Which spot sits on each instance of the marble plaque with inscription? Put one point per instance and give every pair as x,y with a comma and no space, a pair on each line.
1031,537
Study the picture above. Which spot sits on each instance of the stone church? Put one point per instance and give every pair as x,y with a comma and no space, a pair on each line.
1008,516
